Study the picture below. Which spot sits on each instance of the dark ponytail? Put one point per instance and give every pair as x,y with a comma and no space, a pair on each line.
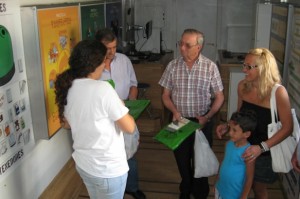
62,85
86,56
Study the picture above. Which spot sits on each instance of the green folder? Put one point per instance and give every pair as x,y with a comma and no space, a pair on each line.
111,82
136,107
173,139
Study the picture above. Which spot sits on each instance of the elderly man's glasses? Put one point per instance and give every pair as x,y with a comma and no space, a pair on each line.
248,67
186,45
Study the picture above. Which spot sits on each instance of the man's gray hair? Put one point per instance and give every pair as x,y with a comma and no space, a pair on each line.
200,35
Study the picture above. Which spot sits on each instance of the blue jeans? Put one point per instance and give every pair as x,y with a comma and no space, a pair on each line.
133,177
104,188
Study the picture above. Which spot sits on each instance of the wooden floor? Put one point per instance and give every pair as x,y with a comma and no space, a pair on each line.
158,174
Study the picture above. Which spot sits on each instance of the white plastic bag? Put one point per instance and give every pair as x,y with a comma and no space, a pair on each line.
131,143
296,133
206,162
296,129
283,151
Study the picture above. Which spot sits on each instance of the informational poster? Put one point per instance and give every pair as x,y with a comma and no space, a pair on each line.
92,19
114,18
16,135
59,32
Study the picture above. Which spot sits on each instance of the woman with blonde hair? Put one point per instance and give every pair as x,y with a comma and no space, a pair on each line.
254,92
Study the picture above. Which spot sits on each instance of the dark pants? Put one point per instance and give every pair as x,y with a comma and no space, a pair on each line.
184,156
132,184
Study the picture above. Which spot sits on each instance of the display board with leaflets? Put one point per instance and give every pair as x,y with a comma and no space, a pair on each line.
16,134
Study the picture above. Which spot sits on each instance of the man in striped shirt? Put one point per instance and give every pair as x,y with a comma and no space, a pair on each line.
193,89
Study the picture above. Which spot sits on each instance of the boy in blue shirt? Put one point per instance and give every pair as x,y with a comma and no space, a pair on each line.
235,175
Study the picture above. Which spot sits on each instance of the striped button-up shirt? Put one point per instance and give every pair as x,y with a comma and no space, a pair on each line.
192,89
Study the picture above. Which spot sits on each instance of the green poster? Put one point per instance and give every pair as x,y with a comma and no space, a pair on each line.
114,18
92,19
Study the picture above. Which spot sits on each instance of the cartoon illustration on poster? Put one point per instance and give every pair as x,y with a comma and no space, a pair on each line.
59,33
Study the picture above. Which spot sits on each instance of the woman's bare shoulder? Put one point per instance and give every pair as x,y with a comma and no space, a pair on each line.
241,85
282,94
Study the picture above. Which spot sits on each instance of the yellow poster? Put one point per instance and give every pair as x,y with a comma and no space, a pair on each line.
59,33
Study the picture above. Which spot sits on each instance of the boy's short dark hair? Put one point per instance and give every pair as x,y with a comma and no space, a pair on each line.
246,119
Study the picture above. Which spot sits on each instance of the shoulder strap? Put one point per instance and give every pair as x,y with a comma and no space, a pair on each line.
273,105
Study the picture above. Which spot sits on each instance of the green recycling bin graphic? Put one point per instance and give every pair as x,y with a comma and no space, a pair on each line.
7,66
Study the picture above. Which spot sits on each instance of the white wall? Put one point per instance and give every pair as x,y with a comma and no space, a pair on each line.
38,168
236,25
163,15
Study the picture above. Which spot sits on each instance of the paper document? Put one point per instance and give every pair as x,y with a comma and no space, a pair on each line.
176,125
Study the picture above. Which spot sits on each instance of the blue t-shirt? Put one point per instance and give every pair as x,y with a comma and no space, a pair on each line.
232,174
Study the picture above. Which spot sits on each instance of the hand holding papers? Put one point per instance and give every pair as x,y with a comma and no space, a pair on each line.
176,125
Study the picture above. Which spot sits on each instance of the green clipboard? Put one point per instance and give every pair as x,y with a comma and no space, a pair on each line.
136,107
173,139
